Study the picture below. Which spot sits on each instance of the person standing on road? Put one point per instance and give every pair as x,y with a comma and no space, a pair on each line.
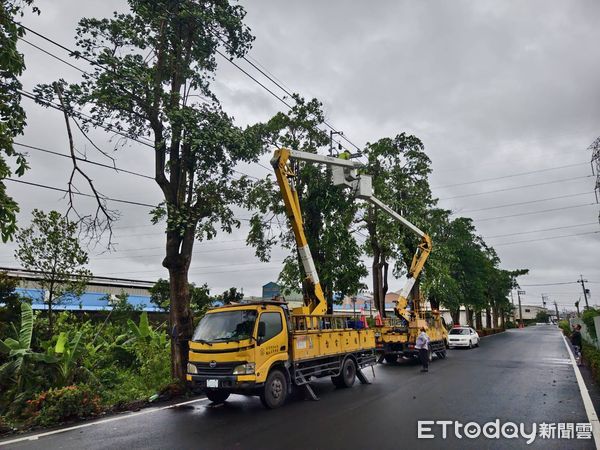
422,345
576,341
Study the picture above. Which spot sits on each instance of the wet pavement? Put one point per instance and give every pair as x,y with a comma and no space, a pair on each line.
521,376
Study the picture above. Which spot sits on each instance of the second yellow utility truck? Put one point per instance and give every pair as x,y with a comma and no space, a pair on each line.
263,348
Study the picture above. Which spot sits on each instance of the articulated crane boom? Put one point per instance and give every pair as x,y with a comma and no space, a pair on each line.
316,304
344,174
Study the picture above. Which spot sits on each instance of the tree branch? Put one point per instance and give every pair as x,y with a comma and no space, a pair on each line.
95,226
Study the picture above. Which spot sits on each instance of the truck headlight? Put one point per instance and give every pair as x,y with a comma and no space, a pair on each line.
244,369
191,368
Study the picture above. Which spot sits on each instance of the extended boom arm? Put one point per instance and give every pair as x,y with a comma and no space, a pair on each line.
316,305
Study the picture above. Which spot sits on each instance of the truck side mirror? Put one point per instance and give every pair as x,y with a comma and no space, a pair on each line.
262,331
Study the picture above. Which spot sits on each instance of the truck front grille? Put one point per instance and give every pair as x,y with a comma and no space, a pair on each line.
219,369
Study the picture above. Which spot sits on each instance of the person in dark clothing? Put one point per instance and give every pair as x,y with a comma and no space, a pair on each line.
576,342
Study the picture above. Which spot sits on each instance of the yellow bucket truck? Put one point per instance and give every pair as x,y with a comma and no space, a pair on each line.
263,348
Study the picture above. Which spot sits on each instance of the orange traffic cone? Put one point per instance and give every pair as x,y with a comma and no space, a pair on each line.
378,321
363,318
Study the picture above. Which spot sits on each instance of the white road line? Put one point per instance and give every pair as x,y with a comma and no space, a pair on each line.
98,422
585,396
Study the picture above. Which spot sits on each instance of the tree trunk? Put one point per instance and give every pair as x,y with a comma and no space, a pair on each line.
50,300
502,319
180,320
384,283
495,312
469,314
376,266
455,313
478,320
488,318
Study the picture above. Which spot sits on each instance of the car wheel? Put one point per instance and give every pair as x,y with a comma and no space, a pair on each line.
470,343
275,391
477,344
217,396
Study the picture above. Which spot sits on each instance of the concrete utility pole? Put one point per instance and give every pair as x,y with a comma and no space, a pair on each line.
585,291
520,309
556,307
544,298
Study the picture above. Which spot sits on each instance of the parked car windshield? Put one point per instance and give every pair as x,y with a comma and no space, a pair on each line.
459,331
225,326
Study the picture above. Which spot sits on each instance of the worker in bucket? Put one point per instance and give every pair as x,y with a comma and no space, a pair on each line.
422,344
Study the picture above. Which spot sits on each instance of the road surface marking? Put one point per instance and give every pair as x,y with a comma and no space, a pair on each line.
585,396
35,437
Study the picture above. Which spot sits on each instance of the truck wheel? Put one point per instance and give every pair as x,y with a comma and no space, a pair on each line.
347,375
275,391
391,359
216,396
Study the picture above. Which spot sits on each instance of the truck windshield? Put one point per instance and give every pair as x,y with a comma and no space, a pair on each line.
225,326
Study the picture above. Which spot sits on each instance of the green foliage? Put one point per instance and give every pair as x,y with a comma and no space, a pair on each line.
591,357
588,319
12,114
59,405
10,303
565,327
18,352
50,245
328,211
542,316
231,296
200,299
509,324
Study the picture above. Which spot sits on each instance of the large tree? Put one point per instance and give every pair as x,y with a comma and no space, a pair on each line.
12,114
328,211
152,74
51,247
399,168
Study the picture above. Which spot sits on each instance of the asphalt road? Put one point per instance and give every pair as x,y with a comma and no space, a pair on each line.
521,376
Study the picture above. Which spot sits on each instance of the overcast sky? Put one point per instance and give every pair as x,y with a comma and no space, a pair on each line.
504,95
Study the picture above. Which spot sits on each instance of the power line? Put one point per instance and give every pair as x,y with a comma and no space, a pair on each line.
89,161
516,187
52,55
546,239
510,176
548,284
83,194
534,212
540,230
523,203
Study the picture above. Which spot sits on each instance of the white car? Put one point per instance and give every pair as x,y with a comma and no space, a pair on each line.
463,337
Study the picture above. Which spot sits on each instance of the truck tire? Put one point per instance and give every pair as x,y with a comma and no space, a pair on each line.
217,396
347,375
391,359
275,391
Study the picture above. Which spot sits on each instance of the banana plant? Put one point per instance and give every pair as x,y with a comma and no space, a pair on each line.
144,332
19,353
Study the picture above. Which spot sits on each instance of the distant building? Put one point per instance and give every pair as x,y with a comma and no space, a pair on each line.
98,296
530,312
272,290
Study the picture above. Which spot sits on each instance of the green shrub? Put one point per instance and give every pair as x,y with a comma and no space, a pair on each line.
591,356
565,327
588,319
509,324
59,405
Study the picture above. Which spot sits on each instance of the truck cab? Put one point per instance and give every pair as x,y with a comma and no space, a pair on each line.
235,347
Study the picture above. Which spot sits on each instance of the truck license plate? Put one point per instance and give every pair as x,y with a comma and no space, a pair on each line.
212,383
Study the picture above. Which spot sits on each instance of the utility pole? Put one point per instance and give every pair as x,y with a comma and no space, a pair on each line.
520,309
331,134
585,291
556,307
544,298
